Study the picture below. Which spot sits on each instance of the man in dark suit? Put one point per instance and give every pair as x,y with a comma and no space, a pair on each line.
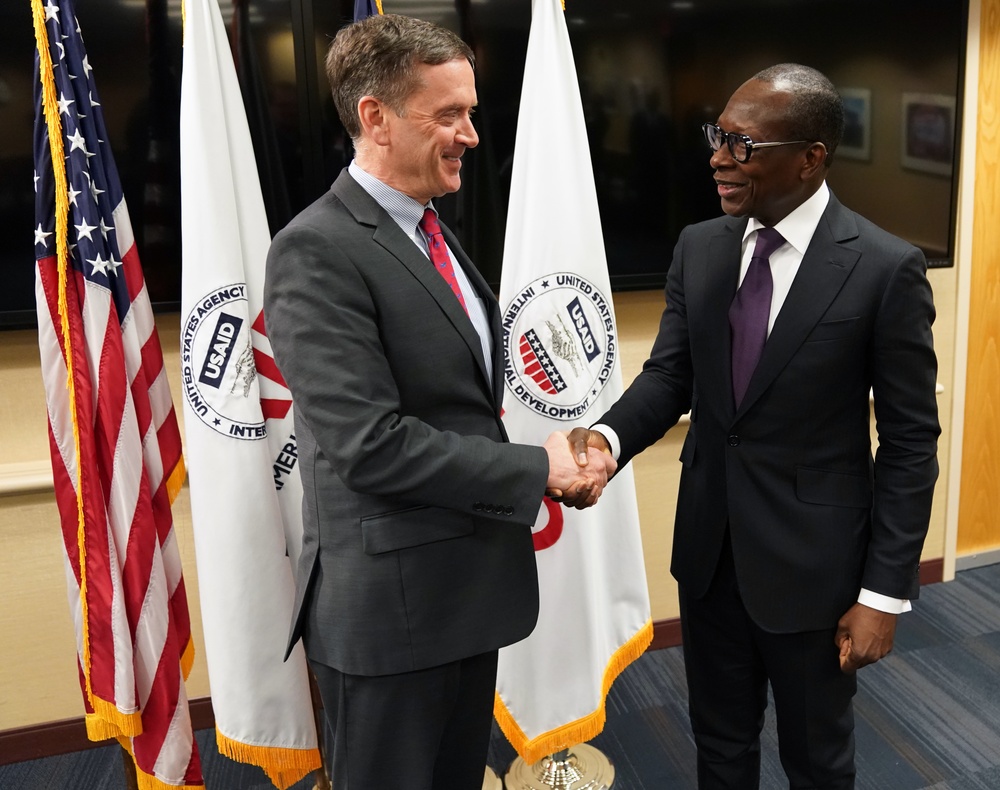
794,550
417,561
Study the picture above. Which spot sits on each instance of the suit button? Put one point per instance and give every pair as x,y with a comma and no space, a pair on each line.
734,440
508,511
477,506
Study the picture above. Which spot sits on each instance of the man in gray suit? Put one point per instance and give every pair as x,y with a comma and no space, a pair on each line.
794,549
417,561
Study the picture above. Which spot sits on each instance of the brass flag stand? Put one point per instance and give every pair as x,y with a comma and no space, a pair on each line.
581,767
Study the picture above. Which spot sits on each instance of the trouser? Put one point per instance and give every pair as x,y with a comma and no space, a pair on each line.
422,730
729,661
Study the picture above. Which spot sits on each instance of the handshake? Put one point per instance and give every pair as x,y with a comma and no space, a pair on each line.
580,465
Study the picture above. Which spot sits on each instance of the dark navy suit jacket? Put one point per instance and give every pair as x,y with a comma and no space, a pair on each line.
812,516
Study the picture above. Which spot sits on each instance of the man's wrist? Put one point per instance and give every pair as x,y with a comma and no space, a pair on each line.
884,603
610,437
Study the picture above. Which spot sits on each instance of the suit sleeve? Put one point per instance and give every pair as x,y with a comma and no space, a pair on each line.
661,393
904,378
324,327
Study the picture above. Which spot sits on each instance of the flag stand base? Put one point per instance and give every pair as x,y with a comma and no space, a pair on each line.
581,767
491,781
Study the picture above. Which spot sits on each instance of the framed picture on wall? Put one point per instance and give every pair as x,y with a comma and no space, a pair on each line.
857,140
928,132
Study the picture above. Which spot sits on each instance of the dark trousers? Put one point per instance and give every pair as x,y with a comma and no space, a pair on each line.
729,661
423,730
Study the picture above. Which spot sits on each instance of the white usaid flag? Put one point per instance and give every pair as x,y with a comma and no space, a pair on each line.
561,346
241,450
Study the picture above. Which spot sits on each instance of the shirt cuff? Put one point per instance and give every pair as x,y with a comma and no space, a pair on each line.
883,602
613,441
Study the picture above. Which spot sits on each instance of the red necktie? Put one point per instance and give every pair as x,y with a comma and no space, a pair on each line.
439,253
750,310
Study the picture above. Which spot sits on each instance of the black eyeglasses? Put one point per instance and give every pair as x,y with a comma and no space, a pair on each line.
740,145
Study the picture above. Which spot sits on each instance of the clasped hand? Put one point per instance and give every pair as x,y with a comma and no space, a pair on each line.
580,465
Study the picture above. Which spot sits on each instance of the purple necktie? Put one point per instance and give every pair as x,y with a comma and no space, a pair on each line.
749,311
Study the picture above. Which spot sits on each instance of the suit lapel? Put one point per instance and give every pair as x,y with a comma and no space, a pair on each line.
388,235
710,290
492,313
827,263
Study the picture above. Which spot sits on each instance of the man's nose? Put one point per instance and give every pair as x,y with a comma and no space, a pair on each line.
722,157
467,134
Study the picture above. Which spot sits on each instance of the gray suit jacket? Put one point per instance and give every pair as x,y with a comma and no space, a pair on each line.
813,518
417,547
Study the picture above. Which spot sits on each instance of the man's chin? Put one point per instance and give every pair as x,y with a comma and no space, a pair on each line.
734,209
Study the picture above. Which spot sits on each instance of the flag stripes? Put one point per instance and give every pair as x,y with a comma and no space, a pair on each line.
114,440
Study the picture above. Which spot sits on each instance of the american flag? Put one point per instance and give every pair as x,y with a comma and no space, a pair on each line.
114,439
366,8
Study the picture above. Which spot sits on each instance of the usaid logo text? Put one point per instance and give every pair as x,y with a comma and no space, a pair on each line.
582,327
220,349
218,371
560,345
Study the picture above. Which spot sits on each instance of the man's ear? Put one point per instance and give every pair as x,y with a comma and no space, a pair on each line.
374,118
815,161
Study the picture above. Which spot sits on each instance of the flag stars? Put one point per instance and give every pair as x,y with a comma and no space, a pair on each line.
71,194
105,229
51,11
83,231
86,66
64,104
77,142
105,267
94,191
41,236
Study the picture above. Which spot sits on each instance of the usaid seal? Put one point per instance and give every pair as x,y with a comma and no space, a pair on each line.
217,364
560,345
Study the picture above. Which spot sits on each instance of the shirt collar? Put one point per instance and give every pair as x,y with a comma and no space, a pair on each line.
800,225
406,211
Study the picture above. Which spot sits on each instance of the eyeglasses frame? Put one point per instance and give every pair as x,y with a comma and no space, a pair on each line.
747,141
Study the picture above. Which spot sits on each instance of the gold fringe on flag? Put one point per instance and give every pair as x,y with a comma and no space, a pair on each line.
283,766
56,151
176,480
187,658
108,722
146,781
583,729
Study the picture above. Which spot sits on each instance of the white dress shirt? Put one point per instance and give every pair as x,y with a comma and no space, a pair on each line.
407,213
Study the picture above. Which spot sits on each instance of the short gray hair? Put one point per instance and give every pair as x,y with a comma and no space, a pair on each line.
378,56
816,111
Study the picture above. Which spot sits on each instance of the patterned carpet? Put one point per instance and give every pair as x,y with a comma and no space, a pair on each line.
928,716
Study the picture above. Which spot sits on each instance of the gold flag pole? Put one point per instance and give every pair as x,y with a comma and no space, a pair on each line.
580,767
